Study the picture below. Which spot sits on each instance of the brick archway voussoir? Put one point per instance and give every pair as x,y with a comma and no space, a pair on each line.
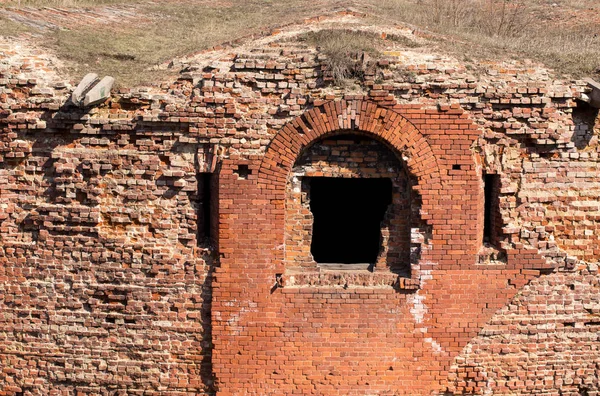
358,115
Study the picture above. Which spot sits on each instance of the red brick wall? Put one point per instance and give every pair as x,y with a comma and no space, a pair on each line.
106,287
544,342
92,298
356,339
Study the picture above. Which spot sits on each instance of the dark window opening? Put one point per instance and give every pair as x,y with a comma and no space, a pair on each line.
243,171
347,218
492,223
204,207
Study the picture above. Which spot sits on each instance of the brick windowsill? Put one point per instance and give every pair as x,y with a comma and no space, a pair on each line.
346,276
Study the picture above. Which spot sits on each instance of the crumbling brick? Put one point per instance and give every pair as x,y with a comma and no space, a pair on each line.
114,279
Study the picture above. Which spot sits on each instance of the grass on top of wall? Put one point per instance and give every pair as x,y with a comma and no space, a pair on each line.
565,35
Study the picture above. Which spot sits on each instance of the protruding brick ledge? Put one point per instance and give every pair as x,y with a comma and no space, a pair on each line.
348,279
528,259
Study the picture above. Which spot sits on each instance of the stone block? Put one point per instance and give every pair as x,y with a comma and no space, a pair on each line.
84,86
99,93
595,94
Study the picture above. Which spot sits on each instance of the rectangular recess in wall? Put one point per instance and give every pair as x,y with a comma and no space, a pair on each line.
492,219
204,201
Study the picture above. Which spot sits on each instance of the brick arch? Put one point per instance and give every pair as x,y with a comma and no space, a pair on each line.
365,117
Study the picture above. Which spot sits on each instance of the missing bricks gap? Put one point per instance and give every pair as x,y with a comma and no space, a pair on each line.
243,171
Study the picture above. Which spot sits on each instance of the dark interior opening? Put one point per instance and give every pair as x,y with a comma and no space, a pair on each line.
204,207
585,118
243,171
491,208
347,218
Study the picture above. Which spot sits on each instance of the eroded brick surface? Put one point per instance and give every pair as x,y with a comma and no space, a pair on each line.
114,278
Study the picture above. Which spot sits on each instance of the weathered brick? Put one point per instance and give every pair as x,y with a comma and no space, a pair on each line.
160,244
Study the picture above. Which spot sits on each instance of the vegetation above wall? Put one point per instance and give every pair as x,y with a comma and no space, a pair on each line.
129,38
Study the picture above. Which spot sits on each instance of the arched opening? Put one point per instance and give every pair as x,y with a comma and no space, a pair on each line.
348,205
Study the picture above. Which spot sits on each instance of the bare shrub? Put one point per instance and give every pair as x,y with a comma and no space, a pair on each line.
493,29
453,13
505,18
346,51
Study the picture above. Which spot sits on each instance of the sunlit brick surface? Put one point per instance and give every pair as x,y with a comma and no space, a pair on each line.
115,280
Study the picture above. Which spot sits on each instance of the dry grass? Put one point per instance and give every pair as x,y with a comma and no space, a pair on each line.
500,29
173,29
565,37
10,28
62,3
504,18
